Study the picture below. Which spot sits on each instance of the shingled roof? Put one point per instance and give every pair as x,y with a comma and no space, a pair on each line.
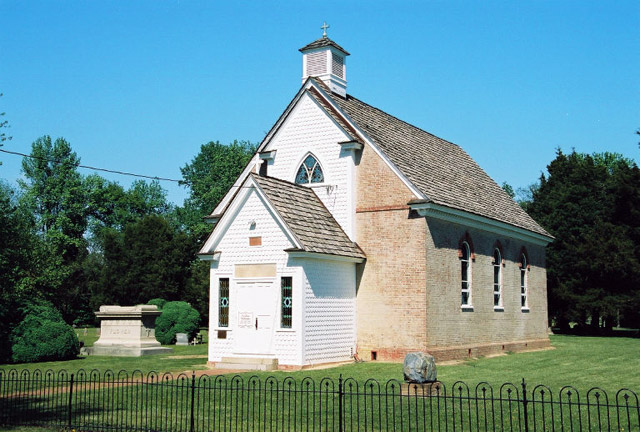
322,42
308,219
441,170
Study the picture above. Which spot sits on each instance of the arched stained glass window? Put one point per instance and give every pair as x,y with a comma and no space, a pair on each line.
309,171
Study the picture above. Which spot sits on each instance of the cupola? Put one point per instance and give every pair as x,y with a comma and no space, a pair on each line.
325,59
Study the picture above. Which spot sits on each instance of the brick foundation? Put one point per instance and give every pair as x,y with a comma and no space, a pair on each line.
458,352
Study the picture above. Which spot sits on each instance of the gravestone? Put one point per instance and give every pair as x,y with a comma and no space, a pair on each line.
128,331
419,368
182,339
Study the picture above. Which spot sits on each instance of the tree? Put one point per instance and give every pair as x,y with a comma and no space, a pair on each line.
592,264
54,192
110,206
209,176
150,259
17,264
508,189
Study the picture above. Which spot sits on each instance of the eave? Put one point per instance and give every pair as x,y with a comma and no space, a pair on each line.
448,214
298,253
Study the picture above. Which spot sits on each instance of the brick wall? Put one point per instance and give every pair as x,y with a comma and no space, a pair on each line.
391,305
409,289
451,326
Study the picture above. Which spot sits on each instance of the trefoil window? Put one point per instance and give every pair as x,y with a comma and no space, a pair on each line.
310,171
465,265
223,302
286,302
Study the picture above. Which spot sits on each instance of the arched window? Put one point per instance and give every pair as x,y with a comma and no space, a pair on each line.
497,279
524,283
465,264
310,171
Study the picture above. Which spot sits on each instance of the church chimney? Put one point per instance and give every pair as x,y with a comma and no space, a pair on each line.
325,59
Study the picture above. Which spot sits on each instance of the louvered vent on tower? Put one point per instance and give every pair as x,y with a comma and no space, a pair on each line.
316,63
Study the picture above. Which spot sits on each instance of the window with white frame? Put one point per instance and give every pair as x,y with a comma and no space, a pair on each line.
465,266
310,171
497,279
524,283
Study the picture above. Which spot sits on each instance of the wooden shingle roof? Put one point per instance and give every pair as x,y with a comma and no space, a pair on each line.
307,218
322,42
441,170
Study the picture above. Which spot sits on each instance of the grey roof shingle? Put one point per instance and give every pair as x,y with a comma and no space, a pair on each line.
322,42
306,216
441,170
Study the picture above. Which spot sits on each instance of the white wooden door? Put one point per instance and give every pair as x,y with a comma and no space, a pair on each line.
256,311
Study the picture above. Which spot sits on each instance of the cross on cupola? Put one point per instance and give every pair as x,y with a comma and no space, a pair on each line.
325,59
324,28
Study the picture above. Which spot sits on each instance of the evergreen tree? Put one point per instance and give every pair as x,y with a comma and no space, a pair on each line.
590,204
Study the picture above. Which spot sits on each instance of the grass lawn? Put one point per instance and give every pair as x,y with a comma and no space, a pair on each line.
584,362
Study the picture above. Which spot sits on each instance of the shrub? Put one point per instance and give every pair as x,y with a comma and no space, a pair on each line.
176,317
158,302
42,335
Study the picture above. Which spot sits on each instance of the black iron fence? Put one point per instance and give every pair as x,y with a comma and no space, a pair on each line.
190,403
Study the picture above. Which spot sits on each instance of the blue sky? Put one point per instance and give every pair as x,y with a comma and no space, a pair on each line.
139,86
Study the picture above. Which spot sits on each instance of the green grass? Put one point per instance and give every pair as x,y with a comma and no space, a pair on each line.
160,363
584,362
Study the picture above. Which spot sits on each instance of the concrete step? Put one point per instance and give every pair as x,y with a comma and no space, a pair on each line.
248,363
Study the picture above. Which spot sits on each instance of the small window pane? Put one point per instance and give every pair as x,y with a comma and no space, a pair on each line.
223,304
301,177
317,176
310,162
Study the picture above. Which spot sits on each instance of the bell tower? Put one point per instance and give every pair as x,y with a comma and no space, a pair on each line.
325,59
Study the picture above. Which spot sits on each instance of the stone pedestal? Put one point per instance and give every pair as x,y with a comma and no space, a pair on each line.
128,331
422,390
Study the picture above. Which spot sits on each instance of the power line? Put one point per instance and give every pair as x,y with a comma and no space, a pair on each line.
95,168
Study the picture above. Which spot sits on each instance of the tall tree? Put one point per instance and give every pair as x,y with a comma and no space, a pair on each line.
209,176
55,194
593,262
18,264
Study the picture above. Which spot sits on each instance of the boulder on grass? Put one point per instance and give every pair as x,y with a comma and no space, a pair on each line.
419,368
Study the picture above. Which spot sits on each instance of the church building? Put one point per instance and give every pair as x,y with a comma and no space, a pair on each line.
353,234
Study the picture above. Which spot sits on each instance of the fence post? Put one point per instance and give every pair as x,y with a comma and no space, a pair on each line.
340,397
70,401
193,398
524,405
